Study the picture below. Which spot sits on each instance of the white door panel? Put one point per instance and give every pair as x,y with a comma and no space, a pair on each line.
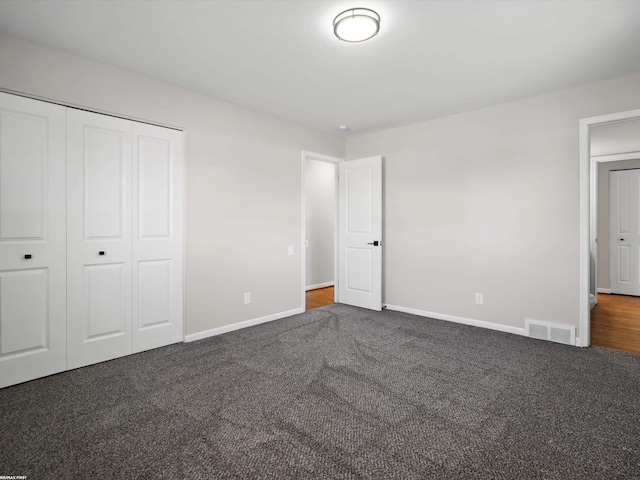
23,167
32,239
105,301
153,158
625,231
24,324
359,268
360,230
99,238
157,237
154,303
105,171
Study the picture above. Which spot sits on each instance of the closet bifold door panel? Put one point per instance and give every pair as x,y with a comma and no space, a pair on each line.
98,238
32,239
91,262
157,237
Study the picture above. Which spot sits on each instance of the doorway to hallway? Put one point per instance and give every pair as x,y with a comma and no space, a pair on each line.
320,297
615,322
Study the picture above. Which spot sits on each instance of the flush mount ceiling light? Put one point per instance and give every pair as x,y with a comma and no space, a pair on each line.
356,25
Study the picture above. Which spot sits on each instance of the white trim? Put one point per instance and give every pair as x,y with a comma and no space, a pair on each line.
319,285
465,321
321,157
604,290
588,214
617,157
184,235
329,159
237,326
89,109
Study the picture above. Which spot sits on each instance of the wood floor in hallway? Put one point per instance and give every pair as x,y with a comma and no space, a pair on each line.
615,322
319,297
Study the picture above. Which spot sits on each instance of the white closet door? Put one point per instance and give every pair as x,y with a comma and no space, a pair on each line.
32,239
157,237
99,238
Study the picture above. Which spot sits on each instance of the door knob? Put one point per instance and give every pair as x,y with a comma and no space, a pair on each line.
375,243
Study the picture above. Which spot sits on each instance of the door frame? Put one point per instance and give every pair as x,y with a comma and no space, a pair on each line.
588,173
306,155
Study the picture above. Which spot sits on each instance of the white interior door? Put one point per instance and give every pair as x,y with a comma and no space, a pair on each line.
157,237
624,188
360,233
32,239
99,238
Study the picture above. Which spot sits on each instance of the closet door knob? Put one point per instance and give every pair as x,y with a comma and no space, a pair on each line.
27,256
101,253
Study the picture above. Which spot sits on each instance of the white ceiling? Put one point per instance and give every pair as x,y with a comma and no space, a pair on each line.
431,58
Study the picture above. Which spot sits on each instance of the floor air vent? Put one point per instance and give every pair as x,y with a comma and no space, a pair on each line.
553,332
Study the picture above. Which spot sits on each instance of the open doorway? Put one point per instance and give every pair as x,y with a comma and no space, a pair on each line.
320,229
614,283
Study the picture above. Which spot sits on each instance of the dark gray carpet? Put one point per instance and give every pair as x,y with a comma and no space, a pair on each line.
336,392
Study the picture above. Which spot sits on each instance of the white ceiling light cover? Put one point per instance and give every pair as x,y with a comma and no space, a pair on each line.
356,25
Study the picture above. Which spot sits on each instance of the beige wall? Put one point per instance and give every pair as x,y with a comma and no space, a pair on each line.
484,201
487,201
614,138
243,174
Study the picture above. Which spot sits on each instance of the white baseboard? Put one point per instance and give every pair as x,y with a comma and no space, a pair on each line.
319,285
465,321
604,290
237,326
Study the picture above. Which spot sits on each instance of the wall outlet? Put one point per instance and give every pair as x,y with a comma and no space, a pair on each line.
247,298
290,250
479,298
